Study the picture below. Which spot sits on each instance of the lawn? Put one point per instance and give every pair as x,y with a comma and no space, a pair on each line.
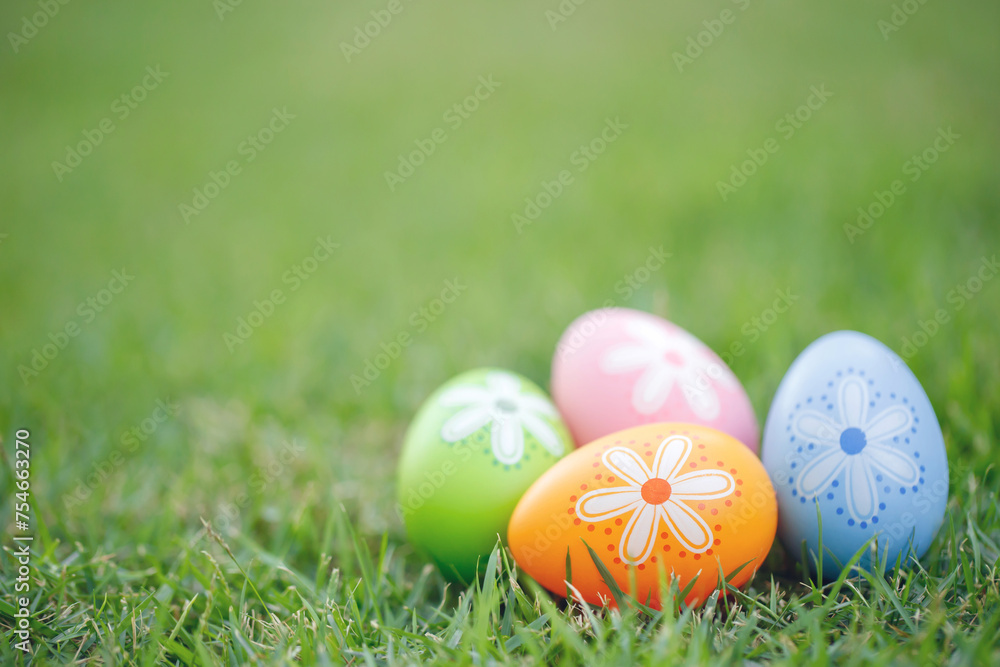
215,216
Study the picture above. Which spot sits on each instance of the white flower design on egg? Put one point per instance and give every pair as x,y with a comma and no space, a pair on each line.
858,446
509,411
668,359
656,495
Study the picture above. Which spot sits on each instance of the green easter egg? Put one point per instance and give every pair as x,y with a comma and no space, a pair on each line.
473,449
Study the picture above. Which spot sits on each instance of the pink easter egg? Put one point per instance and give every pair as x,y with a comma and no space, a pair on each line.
616,368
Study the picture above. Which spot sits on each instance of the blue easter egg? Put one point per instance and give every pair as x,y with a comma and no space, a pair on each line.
852,434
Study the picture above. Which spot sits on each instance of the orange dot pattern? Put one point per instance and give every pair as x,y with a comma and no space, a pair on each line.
666,537
543,554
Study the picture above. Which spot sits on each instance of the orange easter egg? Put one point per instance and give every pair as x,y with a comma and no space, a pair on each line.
651,501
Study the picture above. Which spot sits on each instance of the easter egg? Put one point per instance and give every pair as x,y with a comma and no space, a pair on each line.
651,501
471,451
616,368
851,438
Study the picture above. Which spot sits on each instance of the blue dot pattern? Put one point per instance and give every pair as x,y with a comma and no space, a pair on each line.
852,431
853,441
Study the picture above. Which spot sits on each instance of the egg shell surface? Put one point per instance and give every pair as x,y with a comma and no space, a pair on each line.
473,448
852,433
616,368
650,501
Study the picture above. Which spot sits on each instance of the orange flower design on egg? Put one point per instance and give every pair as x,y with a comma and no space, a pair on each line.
655,496
651,501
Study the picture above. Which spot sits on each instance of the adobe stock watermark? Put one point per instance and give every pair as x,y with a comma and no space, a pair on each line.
164,410
699,42
562,11
901,528
419,321
957,297
901,13
121,108
223,7
434,480
760,497
897,528
630,283
87,311
30,25
580,159
914,168
786,127
633,281
248,150
751,501
364,34
543,538
751,331
453,117
294,277
756,326
257,484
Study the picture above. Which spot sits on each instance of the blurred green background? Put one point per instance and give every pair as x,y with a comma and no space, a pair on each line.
162,337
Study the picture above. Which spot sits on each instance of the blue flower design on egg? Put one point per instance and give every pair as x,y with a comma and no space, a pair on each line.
858,447
855,451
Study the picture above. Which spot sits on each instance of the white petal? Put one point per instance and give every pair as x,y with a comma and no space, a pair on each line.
507,439
654,335
860,488
601,504
502,383
464,395
465,422
700,394
702,485
820,471
894,463
853,402
671,455
625,358
652,388
532,403
640,535
891,421
817,427
543,432
627,464
689,528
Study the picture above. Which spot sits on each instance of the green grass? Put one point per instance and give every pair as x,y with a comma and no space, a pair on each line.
294,469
